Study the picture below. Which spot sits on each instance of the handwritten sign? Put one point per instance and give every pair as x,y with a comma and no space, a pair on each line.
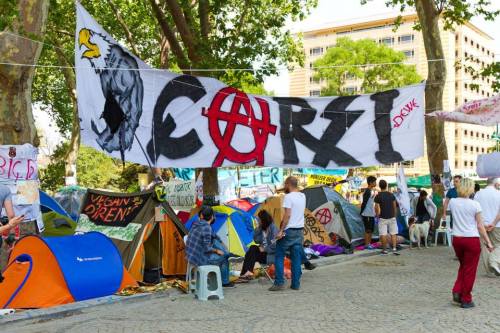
181,194
18,163
113,210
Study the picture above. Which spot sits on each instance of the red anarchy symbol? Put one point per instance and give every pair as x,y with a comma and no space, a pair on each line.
324,216
261,128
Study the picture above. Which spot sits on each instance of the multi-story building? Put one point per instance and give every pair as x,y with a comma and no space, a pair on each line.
466,45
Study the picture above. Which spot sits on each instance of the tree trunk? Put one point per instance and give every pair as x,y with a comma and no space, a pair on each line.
74,144
436,144
17,125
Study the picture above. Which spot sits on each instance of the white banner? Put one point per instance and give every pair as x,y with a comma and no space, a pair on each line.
481,112
402,195
139,114
19,172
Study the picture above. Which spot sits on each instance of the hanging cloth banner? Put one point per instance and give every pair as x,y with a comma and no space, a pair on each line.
402,195
166,119
484,112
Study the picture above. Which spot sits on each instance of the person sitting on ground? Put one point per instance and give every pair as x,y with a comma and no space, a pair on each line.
203,246
265,238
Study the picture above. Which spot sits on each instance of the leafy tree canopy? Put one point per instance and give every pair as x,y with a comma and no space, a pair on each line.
345,61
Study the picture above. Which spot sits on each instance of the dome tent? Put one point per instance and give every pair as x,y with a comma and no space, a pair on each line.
72,268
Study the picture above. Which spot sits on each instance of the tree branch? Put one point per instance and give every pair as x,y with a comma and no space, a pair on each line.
203,11
184,30
124,26
182,61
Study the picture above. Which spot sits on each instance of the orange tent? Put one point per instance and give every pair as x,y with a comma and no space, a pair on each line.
45,272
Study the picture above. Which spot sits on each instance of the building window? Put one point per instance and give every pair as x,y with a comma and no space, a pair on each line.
350,90
456,148
487,136
314,93
471,163
466,54
466,40
456,132
465,132
409,53
471,133
477,149
316,51
482,49
465,148
465,163
386,40
465,85
482,135
314,80
406,38
466,100
477,134
482,150
456,164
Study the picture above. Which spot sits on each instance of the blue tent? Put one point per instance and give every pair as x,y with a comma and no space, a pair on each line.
49,204
233,226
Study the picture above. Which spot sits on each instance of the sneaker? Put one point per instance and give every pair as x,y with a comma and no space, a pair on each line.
467,305
369,247
495,270
295,288
456,297
229,285
277,288
395,252
309,266
384,252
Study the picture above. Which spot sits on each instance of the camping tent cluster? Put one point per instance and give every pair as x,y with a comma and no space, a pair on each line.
119,238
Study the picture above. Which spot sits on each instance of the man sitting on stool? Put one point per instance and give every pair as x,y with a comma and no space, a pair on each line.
204,247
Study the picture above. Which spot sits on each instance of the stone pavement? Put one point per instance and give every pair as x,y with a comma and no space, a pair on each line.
409,293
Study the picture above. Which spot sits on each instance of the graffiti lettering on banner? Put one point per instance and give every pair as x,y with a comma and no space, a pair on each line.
324,216
104,209
18,163
191,121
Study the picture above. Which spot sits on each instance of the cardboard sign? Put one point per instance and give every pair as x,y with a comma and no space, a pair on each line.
111,210
181,194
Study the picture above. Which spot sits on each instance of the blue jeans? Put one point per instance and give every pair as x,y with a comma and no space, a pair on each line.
220,261
291,242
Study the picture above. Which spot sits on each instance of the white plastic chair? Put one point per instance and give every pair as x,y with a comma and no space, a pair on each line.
446,230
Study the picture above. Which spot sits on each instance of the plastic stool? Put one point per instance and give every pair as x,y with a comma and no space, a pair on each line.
446,231
189,278
208,283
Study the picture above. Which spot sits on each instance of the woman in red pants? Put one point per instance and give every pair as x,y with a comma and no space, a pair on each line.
467,226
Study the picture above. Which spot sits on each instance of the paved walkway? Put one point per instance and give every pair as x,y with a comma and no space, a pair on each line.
409,293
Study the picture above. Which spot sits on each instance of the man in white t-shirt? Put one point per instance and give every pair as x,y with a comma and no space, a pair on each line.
489,199
291,236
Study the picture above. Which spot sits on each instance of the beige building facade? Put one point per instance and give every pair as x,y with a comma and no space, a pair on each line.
466,45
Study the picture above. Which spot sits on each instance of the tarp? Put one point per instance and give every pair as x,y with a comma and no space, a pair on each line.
417,182
190,121
488,165
70,198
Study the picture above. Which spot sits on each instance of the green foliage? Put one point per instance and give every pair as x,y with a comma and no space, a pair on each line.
454,13
9,13
94,169
345,61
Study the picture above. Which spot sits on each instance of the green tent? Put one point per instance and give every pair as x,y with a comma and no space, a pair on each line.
57,224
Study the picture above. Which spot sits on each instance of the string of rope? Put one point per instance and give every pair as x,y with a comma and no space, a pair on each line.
232,69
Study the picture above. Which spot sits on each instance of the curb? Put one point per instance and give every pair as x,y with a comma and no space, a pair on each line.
67,310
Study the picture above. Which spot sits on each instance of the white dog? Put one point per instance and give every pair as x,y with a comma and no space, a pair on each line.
417,231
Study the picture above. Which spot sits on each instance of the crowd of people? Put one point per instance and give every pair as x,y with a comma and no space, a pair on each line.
473,214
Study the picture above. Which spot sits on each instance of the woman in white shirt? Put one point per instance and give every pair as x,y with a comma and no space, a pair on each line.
467,226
